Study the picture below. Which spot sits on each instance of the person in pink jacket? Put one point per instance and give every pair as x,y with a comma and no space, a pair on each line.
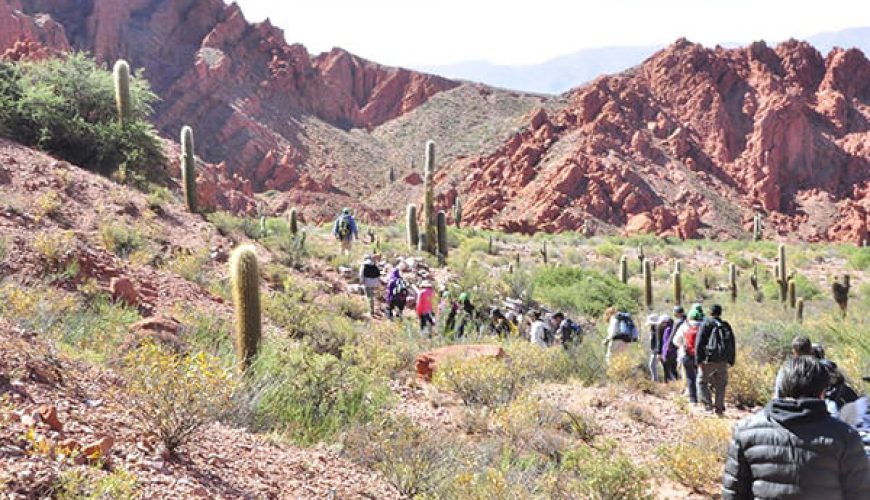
425,298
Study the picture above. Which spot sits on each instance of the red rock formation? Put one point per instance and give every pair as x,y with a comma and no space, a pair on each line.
690,143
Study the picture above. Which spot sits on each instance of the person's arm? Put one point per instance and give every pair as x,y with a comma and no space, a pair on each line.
737,479
854,469
335,228
680,337
701,342
362,273
353,228
732,347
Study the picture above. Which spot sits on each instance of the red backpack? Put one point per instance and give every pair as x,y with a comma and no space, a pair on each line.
691,337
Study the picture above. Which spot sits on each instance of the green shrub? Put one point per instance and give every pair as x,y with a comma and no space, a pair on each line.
90,484
605,473
478,381
697,459
66,106
583,291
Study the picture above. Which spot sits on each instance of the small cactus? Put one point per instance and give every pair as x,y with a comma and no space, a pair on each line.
391,175
792,290
245,283
543,252
457,212
441,225
753,278
490,248
188,165
678,266
121,74
264,231
732,280
647,285
782,274
623,269
429,200
799,310
757,228
413,229
421,243
678,288
294,222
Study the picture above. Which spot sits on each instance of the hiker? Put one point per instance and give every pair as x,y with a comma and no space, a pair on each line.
841,399
345,230
397,294
425,296
499,325
670,352
370,279
800,346
685,339
793,448
621,332
714,354
570,334
538,330
448,310
664,326
466,313
655,346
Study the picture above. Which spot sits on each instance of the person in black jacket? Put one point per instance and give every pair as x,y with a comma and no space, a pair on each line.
714,353
793,448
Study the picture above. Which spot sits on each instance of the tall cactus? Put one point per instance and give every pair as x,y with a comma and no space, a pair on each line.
121,74
457,212
544,253
245,282
678,288
413,229
641,256
732,280
441,225
782,274
799,310
841,293
792,293
294,222
623,269
429,202
647,285
391,175
678,266
188,173
757,228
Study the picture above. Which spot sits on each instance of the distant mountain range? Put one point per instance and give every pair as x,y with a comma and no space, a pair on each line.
566,72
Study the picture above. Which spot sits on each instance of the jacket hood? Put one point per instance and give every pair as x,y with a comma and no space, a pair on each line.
788,411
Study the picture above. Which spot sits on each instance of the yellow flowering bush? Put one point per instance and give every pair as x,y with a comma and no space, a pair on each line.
698,458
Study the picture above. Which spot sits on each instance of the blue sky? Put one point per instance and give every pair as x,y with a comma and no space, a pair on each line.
414,32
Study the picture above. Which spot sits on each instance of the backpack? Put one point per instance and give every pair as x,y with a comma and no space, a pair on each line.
344,227
371,271
691,337
625,329
569,331
716,350
400,290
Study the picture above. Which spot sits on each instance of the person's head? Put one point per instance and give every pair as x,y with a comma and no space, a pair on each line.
664,319
818,350
679,312
496,314
345,211
801,346
534,315
803,377
367,258
652,320
463,297
696,313
559,316
426,284
609,313
716,311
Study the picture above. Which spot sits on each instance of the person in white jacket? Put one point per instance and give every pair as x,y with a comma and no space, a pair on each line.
538,330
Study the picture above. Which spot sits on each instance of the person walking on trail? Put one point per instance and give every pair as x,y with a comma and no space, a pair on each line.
655,346
466,314
425,297
842,400
370,279
538,330
570,334
714,354
621,332
448,309
793,448
668,360
397,294
345,230
685,339
670,352
800,346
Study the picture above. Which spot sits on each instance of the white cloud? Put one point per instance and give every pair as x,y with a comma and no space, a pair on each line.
413,32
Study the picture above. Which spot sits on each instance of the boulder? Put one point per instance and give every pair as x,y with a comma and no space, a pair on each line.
123,290
48,415
427,363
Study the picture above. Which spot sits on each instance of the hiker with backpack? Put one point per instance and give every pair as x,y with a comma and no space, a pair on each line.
569,333
841,399
714,354
370,279
655,346
538,330
397,294
448,309
685,339
345,230
668,351
621,332
425,297
467,313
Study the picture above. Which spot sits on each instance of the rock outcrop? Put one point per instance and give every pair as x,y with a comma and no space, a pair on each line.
694,141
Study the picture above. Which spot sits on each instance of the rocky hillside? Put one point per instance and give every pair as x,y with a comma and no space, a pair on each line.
694,141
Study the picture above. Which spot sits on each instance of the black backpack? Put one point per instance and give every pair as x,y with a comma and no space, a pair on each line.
400,290
716,350
371,271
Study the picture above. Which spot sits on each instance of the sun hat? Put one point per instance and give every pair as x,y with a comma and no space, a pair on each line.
426,284
652,319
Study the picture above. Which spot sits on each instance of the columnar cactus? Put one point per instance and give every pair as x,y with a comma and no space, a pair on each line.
391,175
245,283
264,231
544,254
121,73
782,274
294,222
753,278
647,285
623,269
457,212
799,310
441,225
413,229
641,256
841,293
678,288
792,291
757,228
429,202
188,173
732,279
490,248
678,266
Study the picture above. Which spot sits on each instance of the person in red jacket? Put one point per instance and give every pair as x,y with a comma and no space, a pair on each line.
425,313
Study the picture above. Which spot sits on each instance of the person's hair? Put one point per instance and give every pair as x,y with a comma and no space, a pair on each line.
803,377
716,310
801,346
819,351
559,315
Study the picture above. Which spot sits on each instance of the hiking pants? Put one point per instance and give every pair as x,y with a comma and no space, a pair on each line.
615,347
713,376
371,291
346,244
670,368
691,371
426,324
397,304
654,367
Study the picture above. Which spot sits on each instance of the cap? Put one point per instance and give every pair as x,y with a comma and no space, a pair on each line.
426,284
716,310
652,319
679,310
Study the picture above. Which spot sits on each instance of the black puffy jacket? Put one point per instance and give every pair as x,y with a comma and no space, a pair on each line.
794,450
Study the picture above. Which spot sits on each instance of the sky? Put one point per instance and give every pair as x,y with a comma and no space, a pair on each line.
425,33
